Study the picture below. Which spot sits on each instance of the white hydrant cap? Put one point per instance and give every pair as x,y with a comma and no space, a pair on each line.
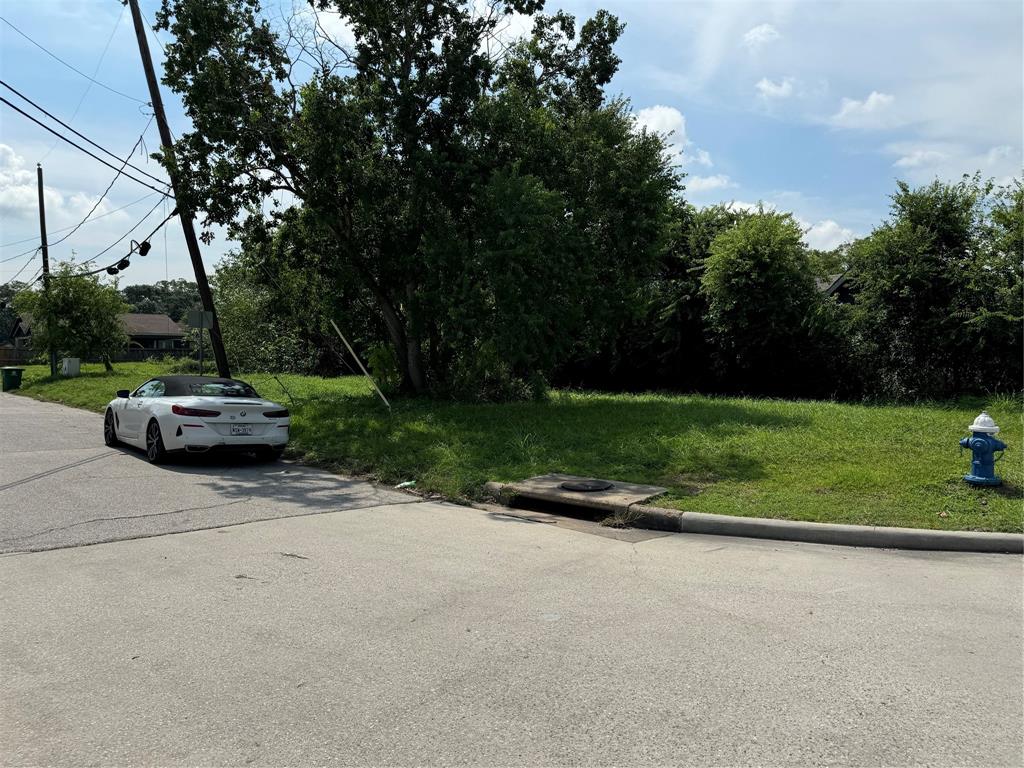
984,423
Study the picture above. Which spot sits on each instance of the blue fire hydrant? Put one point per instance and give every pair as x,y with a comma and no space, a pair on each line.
983,445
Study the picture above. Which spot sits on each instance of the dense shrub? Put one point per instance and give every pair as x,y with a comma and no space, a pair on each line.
938,293
761,303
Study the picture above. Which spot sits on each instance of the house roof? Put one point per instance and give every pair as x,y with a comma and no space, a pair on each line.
136,324
831,284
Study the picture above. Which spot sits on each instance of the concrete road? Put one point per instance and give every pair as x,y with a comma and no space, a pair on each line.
427,633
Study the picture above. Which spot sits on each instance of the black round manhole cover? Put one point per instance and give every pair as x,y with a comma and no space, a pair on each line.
586,486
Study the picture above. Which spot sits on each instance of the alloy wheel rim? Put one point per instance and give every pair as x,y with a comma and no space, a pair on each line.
151,441
108,427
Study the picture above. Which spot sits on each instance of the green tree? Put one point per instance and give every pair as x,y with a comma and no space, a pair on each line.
938,292
257,335
762,306
419,158
676,327
78,317
173,298
7,312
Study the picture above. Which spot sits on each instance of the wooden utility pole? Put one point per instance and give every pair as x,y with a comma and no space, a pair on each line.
184,212
46,256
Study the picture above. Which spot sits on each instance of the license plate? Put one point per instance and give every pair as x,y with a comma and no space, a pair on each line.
241,429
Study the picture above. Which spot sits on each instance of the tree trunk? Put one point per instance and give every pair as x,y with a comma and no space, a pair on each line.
106,363
415,346
412,377
415,361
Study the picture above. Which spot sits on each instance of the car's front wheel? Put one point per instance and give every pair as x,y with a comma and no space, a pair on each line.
155,451
109,431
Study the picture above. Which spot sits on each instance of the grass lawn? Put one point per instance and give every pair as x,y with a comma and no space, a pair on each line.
799,460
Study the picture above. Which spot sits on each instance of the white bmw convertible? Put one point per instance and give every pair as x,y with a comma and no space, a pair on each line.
196,414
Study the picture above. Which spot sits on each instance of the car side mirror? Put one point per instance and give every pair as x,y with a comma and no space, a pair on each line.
123,393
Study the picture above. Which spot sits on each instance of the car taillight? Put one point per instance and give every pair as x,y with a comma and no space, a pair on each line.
181,410
282,414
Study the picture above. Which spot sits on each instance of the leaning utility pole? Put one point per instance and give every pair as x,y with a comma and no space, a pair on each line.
46,256
184,212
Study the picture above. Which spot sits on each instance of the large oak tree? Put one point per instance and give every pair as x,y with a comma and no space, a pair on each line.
489,204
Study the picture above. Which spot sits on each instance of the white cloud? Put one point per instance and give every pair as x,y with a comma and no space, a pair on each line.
698,184
743,205
923,161
920,157
768,89
337,28
872,112
697,156
998,154
826,235
19,196
670,123
510,27
760,36
664,120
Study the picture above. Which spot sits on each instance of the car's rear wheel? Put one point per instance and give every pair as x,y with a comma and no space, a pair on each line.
154,443
109,431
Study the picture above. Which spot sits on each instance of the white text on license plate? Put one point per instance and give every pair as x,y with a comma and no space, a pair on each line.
241,429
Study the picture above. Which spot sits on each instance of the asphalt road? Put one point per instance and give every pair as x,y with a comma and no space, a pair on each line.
422,633
60,486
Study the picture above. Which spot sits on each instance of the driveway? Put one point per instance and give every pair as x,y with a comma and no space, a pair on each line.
402,633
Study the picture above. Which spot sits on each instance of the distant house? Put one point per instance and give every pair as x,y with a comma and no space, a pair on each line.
145,332
836,285
153,332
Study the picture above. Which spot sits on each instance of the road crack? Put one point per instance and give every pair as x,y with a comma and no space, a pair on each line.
124,517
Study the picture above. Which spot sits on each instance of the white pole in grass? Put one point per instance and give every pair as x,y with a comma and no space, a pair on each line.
361,366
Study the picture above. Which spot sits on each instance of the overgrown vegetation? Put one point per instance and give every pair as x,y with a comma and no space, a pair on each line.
487,211
77,317
801,460
485,206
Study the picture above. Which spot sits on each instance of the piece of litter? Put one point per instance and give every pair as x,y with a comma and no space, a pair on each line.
406,484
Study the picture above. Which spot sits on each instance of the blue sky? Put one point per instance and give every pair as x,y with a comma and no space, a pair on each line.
811,107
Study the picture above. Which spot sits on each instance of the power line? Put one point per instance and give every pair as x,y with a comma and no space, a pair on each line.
79,147
88,87
80,135
69,66
152,31
137,225
122,263
19,255
107,190
65,229
23,267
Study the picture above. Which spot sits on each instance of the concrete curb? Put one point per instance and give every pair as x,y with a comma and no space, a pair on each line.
656,518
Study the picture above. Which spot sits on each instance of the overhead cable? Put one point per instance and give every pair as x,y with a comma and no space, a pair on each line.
69,66
80,147
79,134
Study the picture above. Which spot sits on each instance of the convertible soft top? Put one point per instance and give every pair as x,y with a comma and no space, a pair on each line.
184,386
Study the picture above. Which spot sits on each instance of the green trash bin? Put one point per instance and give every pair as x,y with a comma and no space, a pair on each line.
10,377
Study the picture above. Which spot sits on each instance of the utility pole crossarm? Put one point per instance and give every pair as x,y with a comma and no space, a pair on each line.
184,212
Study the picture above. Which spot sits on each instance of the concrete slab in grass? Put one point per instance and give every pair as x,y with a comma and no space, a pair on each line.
549,488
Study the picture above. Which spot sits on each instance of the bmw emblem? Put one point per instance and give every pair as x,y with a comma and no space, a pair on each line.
241,413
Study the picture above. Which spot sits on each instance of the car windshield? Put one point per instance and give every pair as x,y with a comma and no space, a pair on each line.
222,389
